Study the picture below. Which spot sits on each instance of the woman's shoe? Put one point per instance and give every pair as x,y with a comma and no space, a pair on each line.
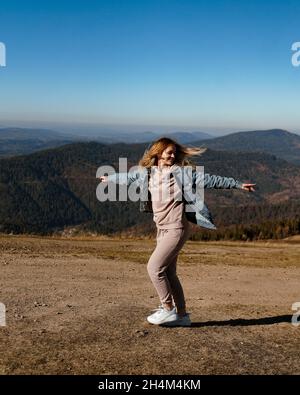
162,316
181,321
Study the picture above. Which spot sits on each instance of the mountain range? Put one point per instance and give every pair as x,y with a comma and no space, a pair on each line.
19,141
55,188
284,144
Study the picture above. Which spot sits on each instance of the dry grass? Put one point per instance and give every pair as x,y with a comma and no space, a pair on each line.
78,306
282,253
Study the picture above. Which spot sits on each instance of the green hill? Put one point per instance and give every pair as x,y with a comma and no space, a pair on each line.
49,190
284,144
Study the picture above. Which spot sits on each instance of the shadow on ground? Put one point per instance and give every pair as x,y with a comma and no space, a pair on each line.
245,322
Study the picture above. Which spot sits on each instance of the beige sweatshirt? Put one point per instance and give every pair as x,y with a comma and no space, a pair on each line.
167,203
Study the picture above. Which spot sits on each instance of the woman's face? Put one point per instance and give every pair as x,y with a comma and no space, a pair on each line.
167,157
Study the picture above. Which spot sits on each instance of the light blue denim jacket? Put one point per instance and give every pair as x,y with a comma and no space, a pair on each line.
187,177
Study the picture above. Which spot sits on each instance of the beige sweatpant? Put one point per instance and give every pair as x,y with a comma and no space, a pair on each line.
162,265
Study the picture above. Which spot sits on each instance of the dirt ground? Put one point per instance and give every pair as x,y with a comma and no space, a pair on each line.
79,306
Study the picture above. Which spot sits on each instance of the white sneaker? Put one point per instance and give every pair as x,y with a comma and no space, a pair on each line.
181,321
162,315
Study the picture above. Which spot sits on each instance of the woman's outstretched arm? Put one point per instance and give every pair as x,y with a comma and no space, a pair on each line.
121,178
219,182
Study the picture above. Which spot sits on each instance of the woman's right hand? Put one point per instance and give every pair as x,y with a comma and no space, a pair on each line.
103,179
248,187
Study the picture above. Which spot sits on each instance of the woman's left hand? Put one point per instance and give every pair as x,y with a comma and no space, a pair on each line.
249,187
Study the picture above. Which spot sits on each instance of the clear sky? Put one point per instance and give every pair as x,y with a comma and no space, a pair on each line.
204,64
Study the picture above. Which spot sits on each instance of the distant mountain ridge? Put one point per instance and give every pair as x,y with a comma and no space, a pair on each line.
14,133
19,141
283,144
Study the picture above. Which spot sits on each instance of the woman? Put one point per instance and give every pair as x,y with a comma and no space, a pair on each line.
165,157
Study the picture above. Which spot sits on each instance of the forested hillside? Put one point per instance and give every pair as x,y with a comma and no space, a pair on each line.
50,190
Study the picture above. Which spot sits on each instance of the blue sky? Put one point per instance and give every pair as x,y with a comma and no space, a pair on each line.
201,65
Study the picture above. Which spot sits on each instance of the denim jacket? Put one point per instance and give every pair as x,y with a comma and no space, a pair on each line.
198,212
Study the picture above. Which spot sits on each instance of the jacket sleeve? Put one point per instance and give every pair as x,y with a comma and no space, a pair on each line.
218,182
123,178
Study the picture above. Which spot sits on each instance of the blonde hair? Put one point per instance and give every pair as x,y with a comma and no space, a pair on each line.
150,157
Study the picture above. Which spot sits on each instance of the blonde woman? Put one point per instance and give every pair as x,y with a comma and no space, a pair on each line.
165,158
